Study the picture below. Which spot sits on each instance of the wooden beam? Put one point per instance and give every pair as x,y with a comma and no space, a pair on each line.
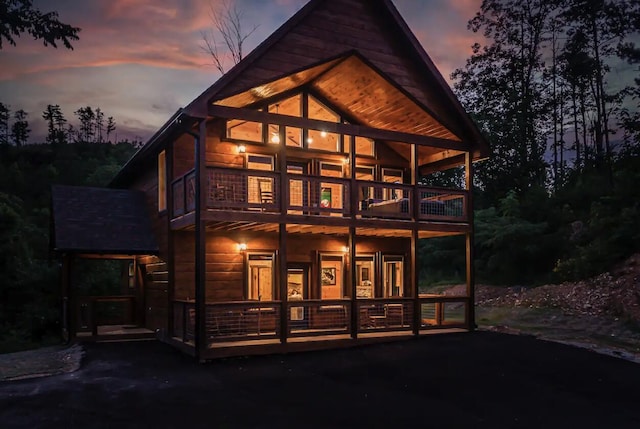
443,164
355,319
200,242
170,246
282,282
470,270
415,277
334,127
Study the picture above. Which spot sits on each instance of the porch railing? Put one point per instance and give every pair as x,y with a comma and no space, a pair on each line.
443,204
259,190
233,188
311,195
385,200
239,322
94,311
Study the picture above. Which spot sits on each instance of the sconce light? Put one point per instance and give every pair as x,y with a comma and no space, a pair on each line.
242,148
309,139
345,249
345,161
323,133
275,138
242,247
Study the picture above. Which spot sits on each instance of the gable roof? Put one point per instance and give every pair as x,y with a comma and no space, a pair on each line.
100,220
326,29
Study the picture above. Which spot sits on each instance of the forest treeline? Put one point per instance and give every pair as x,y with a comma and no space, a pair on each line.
558,198
29,287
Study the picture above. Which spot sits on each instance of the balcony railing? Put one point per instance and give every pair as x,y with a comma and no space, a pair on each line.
234,322
258,190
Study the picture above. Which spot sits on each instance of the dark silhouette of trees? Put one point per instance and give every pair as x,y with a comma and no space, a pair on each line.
56,133
19,16
5,113
20,129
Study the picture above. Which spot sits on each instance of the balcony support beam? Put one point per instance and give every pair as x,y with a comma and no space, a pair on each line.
334,127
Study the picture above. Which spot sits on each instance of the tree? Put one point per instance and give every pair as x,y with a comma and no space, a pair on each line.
99,127
111,127
55,124
19,16
5,113
502,87
87,116
227,25
20,128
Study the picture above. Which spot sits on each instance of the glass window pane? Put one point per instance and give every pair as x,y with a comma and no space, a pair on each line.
291,106
322,140
260,278
319,111
364,146
365,277
294,136
244,130
331,276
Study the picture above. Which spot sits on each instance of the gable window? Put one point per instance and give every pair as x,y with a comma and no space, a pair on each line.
260,277
162,181
244,130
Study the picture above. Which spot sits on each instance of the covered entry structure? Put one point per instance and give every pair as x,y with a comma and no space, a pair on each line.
89,225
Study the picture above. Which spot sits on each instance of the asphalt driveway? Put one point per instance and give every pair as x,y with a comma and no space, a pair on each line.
479,380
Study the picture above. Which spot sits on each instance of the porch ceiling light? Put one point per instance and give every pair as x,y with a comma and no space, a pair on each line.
323,133
275,138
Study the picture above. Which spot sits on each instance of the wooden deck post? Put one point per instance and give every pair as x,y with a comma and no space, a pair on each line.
415,269
200,242
470,270
355,315
170,246
66,309
282,262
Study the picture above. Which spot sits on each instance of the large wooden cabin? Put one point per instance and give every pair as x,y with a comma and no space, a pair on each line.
286,202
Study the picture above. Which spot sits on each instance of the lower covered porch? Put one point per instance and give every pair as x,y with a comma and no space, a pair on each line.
265,291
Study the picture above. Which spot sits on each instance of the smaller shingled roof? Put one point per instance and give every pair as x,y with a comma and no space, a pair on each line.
100,220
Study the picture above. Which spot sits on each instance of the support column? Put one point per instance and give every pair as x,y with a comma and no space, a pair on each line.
282,263
470,269
355,315
170,246
415,273
200,241
66,310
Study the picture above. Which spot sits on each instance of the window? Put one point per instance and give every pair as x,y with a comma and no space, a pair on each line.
392,175
260,277
244,130
365,276
331,276
260,188
330,192
162,181
393,275
364,146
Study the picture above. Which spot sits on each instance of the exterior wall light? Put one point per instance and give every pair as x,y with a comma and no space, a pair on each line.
242,247
242,148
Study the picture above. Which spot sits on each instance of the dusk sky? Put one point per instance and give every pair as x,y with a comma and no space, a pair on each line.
141,60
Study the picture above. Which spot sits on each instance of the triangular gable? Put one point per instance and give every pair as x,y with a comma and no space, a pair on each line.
326,29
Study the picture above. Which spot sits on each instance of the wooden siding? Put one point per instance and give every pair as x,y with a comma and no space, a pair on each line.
225,263
156,284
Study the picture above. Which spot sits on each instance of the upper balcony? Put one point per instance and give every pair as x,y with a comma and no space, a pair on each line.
258,191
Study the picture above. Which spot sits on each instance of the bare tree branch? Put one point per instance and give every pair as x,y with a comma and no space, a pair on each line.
226,37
